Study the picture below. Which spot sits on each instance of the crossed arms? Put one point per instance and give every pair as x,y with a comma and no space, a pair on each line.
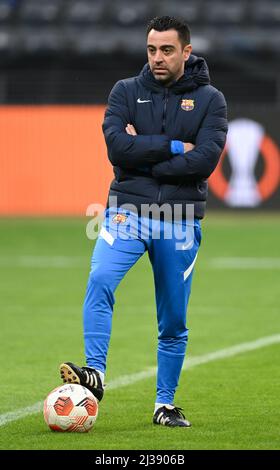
129,150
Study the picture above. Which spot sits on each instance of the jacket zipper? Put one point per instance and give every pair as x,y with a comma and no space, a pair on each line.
166,96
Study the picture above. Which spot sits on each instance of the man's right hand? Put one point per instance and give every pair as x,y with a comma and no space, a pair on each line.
188,147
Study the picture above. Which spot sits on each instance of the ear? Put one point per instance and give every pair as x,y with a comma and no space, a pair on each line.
187,51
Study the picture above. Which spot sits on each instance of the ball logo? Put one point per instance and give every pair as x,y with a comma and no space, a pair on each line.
245,142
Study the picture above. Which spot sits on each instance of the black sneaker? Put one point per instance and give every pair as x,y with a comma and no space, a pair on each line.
86,376
169,415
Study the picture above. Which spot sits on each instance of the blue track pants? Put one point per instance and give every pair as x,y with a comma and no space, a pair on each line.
123,239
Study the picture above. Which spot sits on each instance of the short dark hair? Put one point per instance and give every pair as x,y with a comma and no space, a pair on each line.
164,23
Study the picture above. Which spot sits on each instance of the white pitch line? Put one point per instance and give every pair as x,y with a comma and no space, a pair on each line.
127,380
244,263
20,413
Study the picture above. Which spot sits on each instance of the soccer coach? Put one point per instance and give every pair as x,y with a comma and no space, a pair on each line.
165,131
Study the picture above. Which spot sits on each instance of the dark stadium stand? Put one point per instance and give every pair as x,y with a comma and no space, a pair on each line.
237,20
60,36
6,11
43,12
84,12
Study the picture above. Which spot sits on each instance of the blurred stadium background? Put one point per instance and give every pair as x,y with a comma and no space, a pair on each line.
60,58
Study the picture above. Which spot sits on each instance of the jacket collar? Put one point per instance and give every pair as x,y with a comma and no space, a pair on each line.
196,74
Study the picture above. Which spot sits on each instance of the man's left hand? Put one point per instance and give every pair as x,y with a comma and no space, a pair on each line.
130,129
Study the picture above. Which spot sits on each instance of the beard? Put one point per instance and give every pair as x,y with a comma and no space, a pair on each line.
164,75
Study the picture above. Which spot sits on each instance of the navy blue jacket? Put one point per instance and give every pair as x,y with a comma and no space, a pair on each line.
146,171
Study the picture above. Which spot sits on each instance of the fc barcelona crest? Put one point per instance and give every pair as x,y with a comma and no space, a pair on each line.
119,219
187,105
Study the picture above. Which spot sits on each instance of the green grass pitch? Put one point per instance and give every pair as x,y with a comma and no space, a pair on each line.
233,402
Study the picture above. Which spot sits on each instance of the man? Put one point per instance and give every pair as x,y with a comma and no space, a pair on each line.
165,130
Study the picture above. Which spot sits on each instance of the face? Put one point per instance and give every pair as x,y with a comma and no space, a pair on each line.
166,55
